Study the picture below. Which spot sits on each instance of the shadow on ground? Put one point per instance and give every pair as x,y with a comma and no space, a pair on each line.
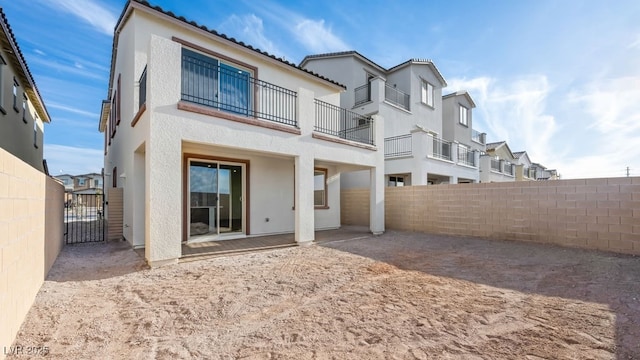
552,271
95,261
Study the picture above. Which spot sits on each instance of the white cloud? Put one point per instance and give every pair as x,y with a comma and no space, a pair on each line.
72,110
39,52
75,69
614,118
635,43
515,111
63,159
89,11
316,37
250,30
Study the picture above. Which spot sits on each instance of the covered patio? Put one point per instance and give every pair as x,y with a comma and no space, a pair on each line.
203,250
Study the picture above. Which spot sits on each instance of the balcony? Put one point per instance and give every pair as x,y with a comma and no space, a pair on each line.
495,165
466,156
442,149
336,121
398,146
397,97
142,90
478,137
208,82
362,94
508,168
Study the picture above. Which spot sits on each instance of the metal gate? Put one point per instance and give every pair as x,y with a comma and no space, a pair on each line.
84,218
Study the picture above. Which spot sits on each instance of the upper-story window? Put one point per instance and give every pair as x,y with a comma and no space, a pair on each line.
2,66
216,83
35,131
15,95
427,93
24,108
81,181
464,116
114,112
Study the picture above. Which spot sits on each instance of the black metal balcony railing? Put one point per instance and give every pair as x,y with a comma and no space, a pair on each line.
396,97
142,90
345,124
207,82
441,149
362,94
495,164
466,156
396,146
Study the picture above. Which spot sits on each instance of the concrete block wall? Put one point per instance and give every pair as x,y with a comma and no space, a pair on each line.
24,236
354,207
601,214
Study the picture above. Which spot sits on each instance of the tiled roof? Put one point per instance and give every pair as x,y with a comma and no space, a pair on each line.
222,36
494,145
366,59
517,154
462,93
16,53
422,61
343,53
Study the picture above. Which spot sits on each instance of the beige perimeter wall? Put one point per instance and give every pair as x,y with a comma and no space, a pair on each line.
601,214
29,240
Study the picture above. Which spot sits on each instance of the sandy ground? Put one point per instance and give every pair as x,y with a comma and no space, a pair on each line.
396,296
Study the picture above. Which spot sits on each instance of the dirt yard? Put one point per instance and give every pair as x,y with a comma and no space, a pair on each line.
396,296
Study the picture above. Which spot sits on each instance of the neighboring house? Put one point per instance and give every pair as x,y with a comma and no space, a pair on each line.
524,171
210,139
542,173
67,181
88,183
22,111
85,184
428,138
497,164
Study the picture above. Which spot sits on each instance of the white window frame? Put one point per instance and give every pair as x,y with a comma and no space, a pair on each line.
324,173
2,66
15,94
464,115
427,93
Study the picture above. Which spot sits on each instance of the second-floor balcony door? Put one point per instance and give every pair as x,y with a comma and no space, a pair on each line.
208,81
233,90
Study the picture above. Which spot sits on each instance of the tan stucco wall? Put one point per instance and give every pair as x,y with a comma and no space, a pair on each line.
601,214
54,222
29,240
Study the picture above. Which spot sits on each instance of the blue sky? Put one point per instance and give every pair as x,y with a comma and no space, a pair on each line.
559,79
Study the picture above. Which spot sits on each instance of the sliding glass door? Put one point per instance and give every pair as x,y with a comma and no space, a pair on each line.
215,199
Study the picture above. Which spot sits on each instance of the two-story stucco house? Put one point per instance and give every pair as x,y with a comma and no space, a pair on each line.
497,164
524,171
540,172
210,139
429,138
22,111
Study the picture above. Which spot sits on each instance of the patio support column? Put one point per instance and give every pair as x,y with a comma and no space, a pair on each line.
163,156
376,182
420,145
304,207
304,164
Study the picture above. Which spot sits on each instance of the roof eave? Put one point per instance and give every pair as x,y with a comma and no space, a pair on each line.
25,74
144,6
